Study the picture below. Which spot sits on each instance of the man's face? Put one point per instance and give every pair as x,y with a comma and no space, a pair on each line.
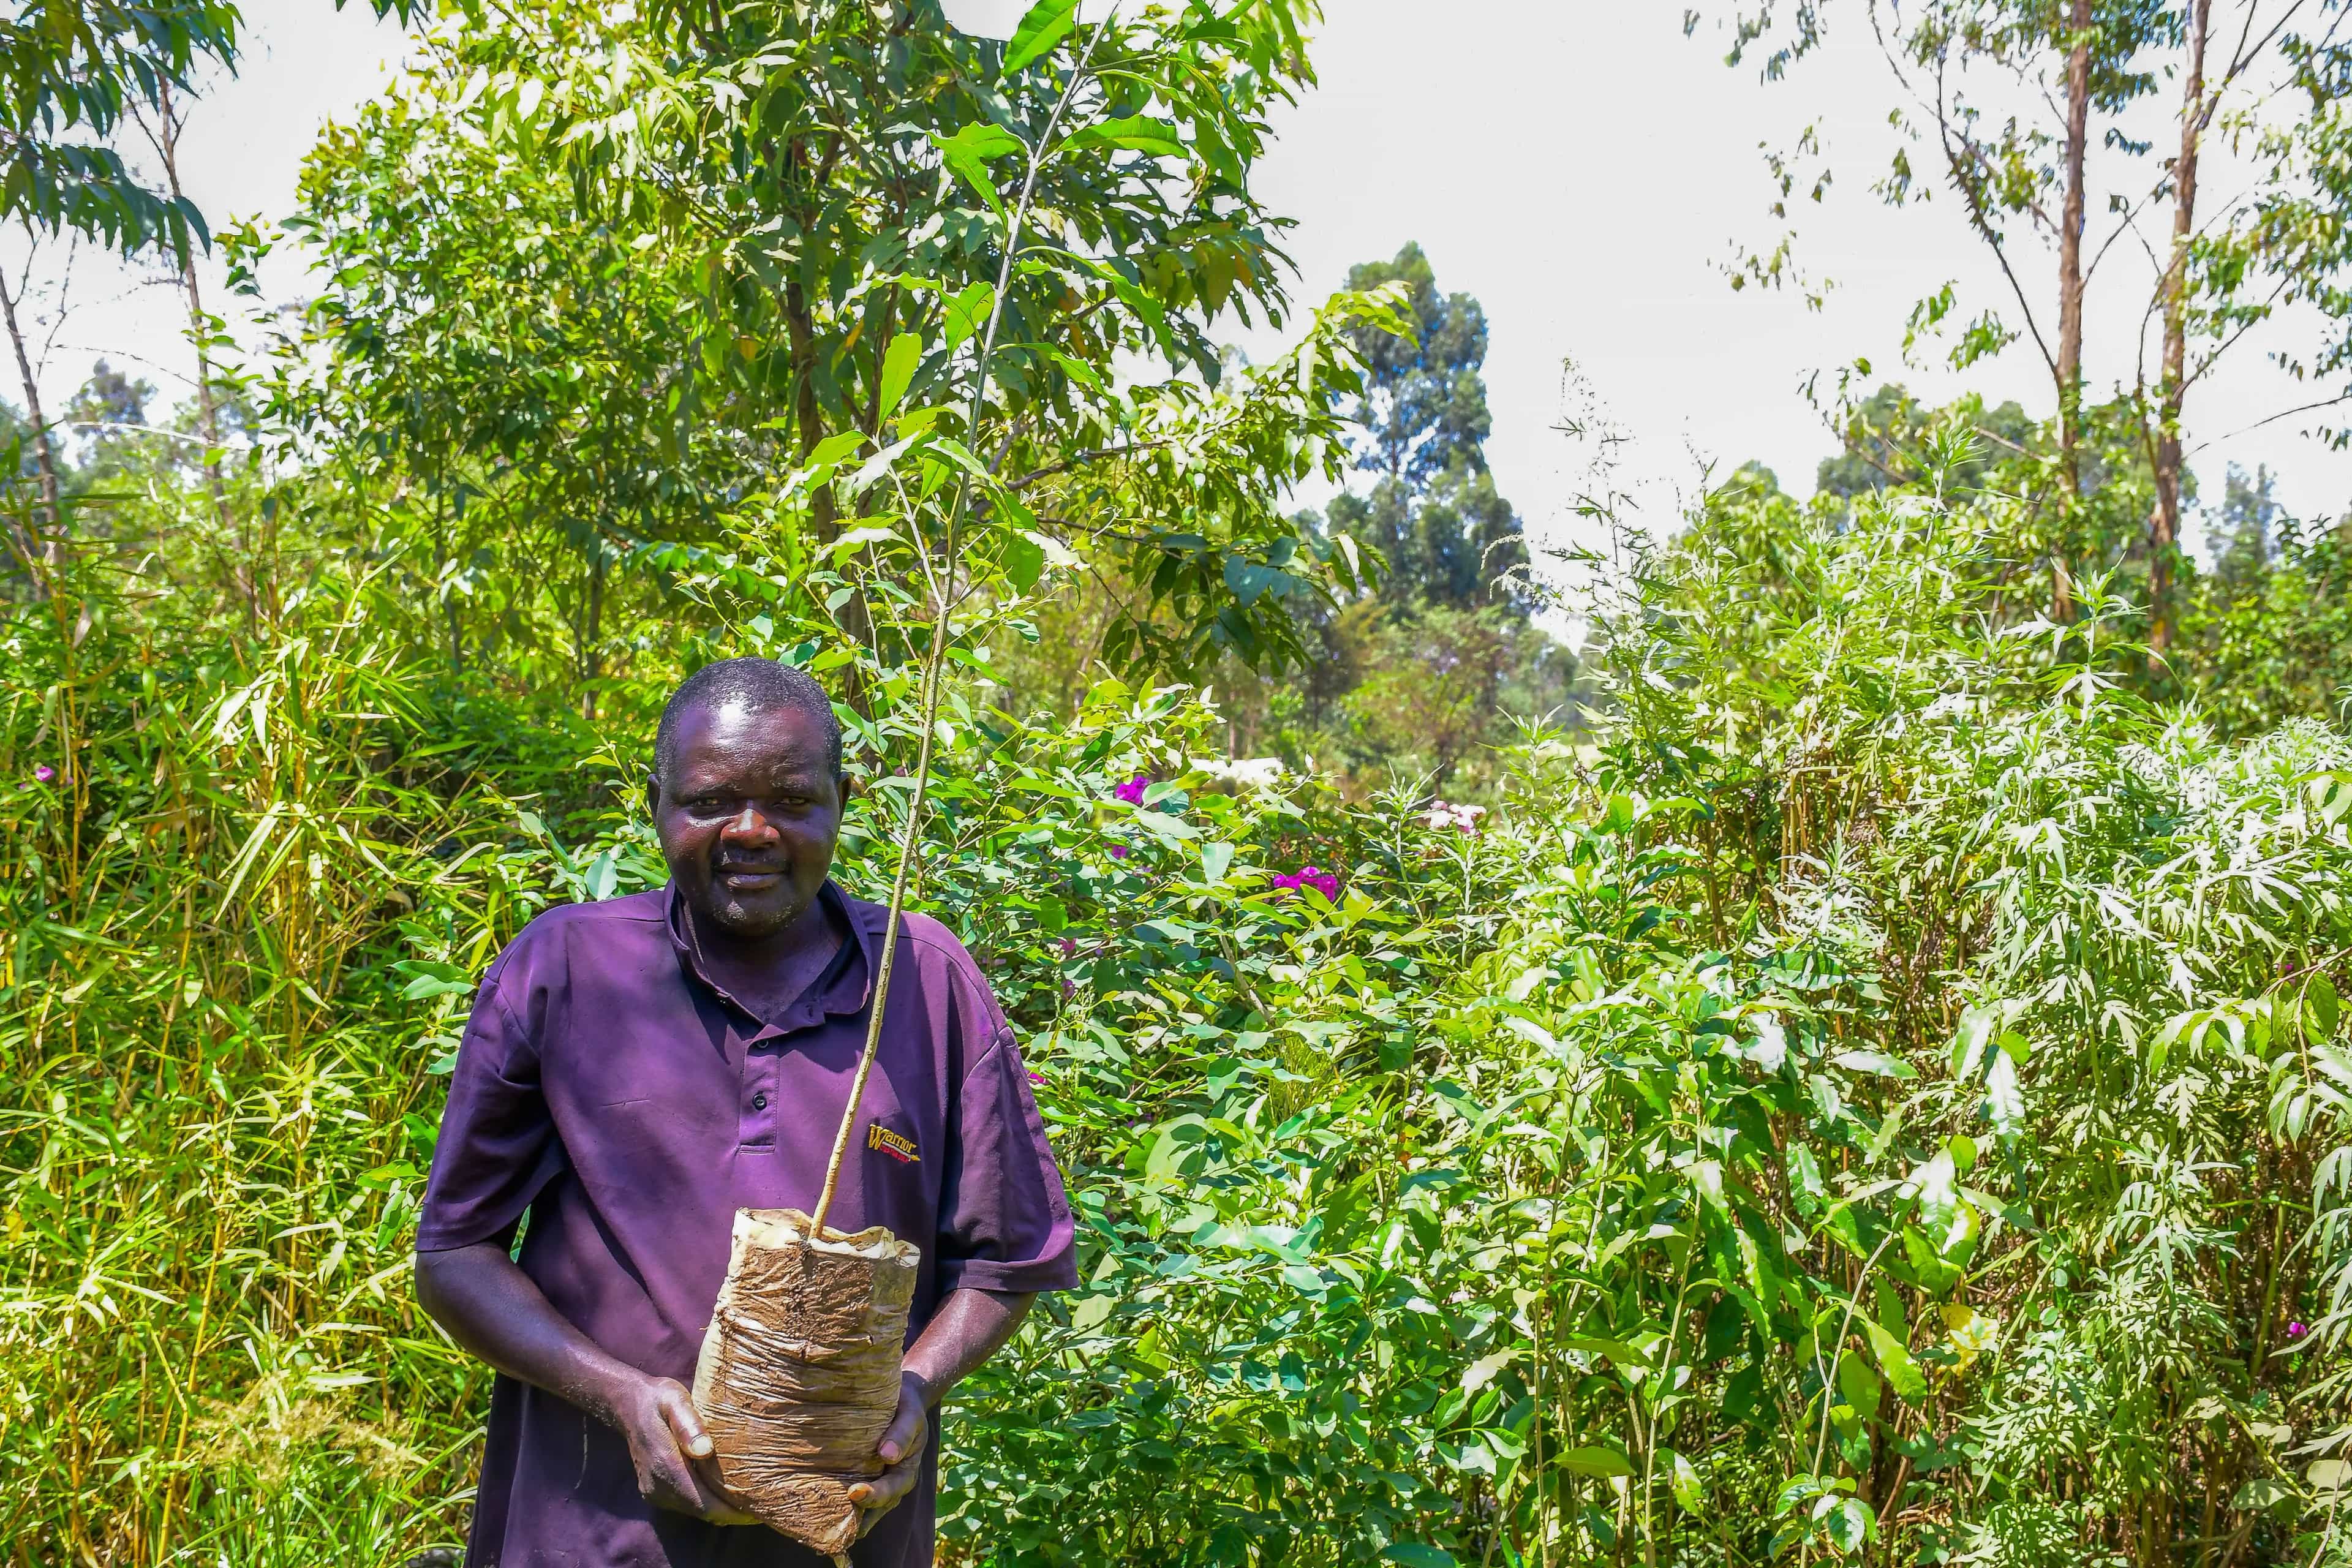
748,817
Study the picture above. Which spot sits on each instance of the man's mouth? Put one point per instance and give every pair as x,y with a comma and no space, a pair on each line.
750,879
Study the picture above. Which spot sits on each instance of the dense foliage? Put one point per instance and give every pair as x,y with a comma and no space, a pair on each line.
1876,1089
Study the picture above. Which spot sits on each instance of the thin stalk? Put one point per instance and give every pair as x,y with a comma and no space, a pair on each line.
45,455
935,656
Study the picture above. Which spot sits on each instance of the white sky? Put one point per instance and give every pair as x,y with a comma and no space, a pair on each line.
1579,165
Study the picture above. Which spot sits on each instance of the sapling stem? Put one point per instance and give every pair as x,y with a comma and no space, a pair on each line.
935,656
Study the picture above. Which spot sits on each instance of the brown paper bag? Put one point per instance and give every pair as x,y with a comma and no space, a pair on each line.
798,1377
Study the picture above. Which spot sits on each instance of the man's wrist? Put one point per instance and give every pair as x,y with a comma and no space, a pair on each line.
925,1391
610,1393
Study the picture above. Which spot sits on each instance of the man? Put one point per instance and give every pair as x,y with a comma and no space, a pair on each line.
636,1070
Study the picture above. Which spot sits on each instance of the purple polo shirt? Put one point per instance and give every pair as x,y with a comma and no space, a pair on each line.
609,1088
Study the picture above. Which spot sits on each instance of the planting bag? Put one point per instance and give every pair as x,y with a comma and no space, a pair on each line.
798,1377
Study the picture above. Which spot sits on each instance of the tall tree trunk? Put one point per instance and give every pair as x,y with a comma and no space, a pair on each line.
167,142
590,666
808,418
2070,292
51,551
2164,527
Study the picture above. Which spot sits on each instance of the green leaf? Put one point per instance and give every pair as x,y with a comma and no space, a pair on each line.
967,153
857,538
1414,1555
967,313
1936,1183
1136,133
2320,1006
2004,1099
1683,1476
841,444
1850,1524
1047,23
899,364
425,985
1858,1383
1248,579
1877,1062
1977,1024
1056,552
1617,1351
1023,562
1902,1373
1215,859
1600,1463
1482,1372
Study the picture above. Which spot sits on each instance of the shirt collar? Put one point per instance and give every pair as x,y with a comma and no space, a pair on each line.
841,990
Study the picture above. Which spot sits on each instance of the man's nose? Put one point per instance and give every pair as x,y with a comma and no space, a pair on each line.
749,823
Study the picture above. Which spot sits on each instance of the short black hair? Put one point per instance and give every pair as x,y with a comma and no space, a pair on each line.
761,685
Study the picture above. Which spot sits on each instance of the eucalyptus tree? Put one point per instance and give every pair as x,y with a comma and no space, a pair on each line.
1449,537
2011,99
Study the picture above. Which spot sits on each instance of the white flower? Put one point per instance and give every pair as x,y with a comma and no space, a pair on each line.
1442,814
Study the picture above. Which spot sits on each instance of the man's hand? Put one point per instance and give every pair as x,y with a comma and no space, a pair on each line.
491,1307
672,1452
901,1448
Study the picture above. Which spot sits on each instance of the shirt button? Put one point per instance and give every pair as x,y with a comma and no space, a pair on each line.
759,1102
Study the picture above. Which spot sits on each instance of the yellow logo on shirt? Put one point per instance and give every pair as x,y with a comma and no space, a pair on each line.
901,1149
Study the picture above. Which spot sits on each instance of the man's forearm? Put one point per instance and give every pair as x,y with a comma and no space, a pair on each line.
970,1327
492,1308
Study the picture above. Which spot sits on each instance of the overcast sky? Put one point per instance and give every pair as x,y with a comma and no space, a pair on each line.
1581,166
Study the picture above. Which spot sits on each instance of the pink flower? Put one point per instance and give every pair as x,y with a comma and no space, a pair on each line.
1323,882
1069,988
1069,946
2296,1330
1119,851
44,774
1132,790
1036,1077
1461,818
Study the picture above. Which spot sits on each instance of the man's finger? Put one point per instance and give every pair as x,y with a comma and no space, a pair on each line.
674,1474
908,1429
889,1486
678,1410
720,1505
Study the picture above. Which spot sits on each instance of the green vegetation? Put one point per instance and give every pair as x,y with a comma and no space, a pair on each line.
1871,1087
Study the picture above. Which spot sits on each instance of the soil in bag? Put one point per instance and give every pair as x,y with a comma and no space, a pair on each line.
798,1377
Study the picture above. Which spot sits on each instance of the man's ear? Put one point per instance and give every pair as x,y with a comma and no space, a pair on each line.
653,793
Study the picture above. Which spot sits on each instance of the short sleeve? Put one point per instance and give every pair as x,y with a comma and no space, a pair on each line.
1004,1219
498,1147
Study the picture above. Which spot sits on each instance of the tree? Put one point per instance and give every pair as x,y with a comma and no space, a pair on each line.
2016,94
833,187
70,70
1889,440
2244,528
1436,681
163,130
1433,513
510,367
107,413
